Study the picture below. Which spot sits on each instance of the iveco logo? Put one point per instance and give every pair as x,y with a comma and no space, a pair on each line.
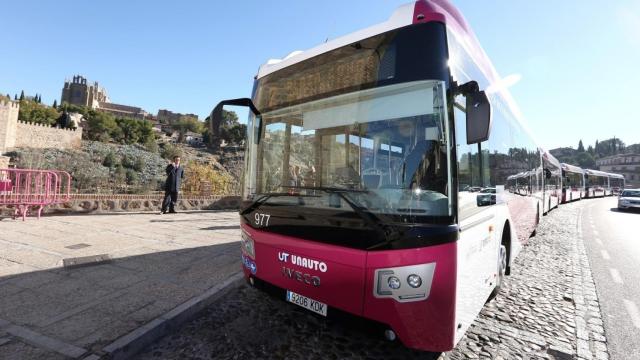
297,275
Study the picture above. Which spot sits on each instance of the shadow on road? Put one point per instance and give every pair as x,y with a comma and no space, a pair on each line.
91,306
627,211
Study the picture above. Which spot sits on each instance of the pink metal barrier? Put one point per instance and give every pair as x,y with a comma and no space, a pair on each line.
24,189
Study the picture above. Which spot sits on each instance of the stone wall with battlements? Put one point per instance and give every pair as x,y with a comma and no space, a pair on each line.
16,134
43,136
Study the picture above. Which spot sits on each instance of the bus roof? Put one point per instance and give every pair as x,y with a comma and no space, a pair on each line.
596,172
572,168
420,11
552,159
618,176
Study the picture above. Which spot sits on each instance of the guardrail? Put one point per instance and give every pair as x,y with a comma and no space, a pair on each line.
25,189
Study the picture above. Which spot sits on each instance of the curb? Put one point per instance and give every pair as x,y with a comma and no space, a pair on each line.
129,345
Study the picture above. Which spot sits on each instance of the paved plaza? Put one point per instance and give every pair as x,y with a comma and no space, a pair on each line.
150,269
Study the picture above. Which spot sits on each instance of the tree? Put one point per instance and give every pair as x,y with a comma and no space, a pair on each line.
187,123
585,160
8,96
100,126
22,95
15,97
234,134
580,146
55,104
30,111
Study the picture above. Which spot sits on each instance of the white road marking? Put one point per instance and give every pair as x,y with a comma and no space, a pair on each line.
605,255
615,274
634,314
598,240
596,233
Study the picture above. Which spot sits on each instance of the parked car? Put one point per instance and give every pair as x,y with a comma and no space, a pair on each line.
629,199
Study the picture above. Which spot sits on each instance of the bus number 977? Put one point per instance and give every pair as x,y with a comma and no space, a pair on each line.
262,219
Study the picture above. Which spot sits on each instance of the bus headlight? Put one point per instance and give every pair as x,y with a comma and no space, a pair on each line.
394,282
414,281
387,283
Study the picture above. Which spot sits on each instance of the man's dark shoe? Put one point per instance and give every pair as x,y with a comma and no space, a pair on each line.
172,212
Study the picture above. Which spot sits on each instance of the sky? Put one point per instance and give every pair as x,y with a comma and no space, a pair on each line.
577,61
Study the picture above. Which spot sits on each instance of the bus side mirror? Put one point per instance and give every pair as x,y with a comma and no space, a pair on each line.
216,118
478,117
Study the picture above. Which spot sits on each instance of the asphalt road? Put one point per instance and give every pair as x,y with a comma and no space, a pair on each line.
612,239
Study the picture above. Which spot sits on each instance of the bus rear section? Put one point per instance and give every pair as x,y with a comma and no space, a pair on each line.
324,278
597,183
573,183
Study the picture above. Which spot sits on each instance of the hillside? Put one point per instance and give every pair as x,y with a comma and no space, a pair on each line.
111,168
586,158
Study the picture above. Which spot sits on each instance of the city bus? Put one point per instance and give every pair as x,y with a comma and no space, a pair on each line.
616,183
573,187
552,181
378,173
596,183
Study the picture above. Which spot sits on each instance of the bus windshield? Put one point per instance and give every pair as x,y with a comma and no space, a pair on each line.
386,147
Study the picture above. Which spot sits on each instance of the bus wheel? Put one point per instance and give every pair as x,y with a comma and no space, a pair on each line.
502,269
535,228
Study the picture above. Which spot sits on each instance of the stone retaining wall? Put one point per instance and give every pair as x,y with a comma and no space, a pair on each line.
85,203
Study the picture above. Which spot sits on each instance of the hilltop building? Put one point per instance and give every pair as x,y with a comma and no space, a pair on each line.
627,165
78,92
123,110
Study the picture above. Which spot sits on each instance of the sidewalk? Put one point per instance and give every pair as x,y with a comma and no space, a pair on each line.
159,269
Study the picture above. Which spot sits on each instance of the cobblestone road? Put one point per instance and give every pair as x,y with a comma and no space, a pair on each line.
548,309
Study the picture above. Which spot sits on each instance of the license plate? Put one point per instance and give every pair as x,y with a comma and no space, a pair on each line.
307,303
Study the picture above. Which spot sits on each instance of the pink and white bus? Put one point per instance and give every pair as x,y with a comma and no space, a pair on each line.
597,183
616,183
389,175
553,181
573,183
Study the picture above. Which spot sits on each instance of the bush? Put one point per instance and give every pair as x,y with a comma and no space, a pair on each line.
169,151
203,179
110,160
132,177
120,174
128,162
139,165
151,145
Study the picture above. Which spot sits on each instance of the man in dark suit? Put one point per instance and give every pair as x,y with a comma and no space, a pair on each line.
175,174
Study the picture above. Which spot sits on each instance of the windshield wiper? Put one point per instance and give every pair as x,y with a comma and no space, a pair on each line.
385,228
263,199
